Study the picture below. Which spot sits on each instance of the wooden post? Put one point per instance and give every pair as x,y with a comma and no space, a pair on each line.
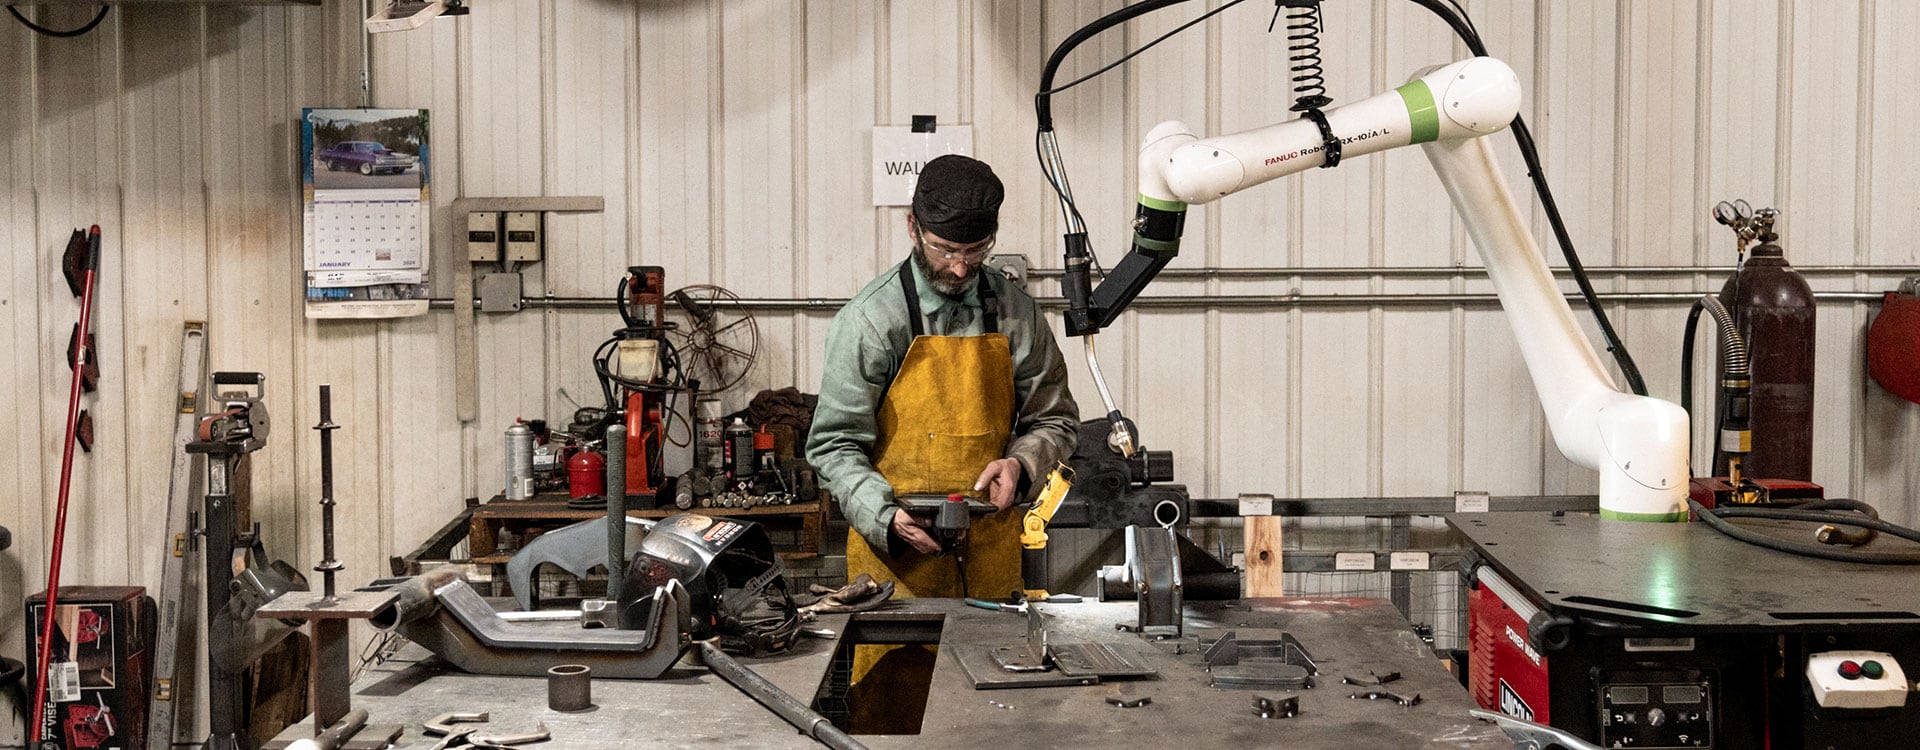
1264,577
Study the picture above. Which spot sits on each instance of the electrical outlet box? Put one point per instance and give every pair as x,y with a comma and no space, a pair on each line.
523,236
483,237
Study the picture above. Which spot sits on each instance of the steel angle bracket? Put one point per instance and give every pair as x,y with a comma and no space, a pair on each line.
440,611
575,548
1153,562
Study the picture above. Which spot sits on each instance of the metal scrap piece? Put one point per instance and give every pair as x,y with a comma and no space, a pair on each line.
1283,708
443,724
1129,702
1382,695
1377,680
539,734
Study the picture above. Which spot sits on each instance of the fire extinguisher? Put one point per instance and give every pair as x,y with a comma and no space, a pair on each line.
586,475
1773,308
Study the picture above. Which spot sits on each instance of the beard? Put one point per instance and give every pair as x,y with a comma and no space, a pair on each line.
944,282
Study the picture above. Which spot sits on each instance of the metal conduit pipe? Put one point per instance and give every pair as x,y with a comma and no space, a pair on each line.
802,717
1476,271
1213,302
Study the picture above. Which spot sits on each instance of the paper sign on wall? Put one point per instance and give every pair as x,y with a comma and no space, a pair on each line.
899,153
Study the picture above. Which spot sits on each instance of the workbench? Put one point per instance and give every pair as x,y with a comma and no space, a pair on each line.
692,708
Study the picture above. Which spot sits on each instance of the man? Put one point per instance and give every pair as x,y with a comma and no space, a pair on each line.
941,379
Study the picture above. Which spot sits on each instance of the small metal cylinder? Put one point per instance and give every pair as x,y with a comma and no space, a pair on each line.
519,462
570,687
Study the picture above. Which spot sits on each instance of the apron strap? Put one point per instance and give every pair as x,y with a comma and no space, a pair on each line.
983,291
989,304
913,299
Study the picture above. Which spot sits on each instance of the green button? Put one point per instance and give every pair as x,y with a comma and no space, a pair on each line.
1873,670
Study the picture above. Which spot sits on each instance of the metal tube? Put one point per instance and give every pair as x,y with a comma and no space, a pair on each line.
616,509
1232,273
770,695
1519,603
570,688
82,355
335,736
326,427
1099,381
1208,302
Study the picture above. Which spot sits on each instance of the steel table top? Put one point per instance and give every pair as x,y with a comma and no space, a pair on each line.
690,707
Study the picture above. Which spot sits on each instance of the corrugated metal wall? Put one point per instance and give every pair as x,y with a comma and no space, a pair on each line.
730,141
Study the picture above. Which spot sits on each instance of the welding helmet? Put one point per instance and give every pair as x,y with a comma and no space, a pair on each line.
732,577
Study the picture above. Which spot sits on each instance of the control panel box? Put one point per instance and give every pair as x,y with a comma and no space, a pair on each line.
524,236
1857,679
483,237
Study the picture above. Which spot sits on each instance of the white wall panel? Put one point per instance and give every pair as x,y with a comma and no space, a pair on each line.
730,141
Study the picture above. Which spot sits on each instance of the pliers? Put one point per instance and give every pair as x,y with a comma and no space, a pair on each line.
996,606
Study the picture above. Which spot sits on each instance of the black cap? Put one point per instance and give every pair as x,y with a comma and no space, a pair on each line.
957,198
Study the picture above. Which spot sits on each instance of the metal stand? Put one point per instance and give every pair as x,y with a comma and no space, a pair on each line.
235,580
330,683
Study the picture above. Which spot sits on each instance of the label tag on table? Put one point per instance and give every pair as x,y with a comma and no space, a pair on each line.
1470,502
1353,561
1409,561
1256,505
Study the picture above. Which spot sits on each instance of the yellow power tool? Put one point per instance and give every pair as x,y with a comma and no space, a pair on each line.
1033,533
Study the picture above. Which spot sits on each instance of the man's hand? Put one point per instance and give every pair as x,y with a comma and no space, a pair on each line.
912,531
1001,480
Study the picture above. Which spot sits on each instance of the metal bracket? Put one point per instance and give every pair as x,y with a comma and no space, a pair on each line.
1282,708
1153,562
576,548
441,612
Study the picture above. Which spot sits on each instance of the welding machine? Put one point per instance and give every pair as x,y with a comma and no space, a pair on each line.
1650,635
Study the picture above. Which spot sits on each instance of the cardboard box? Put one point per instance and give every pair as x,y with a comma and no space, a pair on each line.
103,666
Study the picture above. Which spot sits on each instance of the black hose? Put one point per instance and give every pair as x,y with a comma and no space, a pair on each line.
960,564
1538,174
1716,518
808,721
59,33
1686,358
1042,108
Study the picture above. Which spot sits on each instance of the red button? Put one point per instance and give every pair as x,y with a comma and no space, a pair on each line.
1850,670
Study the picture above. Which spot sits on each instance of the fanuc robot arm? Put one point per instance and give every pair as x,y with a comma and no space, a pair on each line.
1638,444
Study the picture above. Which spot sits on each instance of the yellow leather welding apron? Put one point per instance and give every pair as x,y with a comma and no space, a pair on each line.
947,414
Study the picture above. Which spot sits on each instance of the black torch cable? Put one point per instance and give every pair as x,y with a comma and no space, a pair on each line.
1538,175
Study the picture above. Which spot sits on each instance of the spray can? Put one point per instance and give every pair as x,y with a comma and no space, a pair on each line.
711,436
739,454
519,462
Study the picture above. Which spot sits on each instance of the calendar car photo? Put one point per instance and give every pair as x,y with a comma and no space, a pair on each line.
355,149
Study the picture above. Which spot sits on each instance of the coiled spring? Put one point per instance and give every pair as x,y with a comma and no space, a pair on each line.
1303,53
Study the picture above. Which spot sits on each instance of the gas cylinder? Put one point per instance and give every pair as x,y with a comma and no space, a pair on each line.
1774,309
586,475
